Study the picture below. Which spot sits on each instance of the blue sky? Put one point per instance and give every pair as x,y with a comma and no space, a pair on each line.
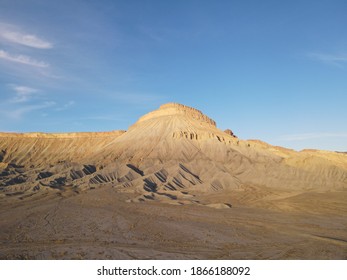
269,70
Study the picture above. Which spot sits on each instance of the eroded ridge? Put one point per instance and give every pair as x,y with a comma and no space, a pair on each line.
62,135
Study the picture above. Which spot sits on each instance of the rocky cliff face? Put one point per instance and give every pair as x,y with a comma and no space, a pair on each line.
174,109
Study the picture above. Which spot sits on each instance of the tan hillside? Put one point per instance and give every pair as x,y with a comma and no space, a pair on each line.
174,147
175,156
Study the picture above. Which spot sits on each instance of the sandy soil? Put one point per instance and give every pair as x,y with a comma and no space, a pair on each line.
99,224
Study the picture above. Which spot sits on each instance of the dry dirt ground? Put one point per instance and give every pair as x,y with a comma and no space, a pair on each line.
100,224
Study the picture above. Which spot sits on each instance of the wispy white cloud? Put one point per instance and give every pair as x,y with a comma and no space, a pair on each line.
309,136
24,89
26,40
23,93
12,34
46,72
333,59
18,113
25,100
23,59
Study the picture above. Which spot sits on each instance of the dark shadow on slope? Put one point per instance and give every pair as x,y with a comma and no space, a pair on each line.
173,197
43,175
2,155
150,186
170,187
188,171
161,177
17,180
89,169
58,183
134,168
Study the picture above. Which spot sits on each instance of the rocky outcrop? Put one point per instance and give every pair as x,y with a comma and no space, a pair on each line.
174,109
229,132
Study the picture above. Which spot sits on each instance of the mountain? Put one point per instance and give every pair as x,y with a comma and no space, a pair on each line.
172,186
171,150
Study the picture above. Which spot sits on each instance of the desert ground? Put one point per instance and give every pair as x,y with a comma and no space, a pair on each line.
99,224
173,186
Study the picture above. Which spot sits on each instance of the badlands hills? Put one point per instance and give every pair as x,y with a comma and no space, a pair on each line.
172,186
